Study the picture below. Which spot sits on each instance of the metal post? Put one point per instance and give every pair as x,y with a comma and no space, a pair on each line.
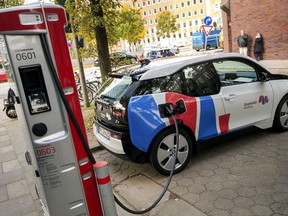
105,188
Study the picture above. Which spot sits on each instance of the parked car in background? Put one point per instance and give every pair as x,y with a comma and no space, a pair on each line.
199,40
119,58
216,94
158,53
3,76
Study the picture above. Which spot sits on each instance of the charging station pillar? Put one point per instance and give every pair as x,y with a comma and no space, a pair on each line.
67,176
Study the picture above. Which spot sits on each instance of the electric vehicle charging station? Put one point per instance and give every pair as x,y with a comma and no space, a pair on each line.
37,48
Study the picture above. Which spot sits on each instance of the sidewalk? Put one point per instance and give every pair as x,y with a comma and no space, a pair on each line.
17,193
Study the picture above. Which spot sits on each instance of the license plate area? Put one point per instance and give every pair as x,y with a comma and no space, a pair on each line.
104,132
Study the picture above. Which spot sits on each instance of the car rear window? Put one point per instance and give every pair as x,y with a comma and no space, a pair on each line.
117,88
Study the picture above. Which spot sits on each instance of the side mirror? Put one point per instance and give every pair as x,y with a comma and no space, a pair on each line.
264,77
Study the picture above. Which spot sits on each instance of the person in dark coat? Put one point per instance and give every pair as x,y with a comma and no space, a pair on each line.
258,46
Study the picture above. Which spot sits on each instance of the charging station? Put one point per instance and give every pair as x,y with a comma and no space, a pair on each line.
37,48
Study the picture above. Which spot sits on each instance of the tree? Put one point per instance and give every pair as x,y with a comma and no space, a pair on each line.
10,3
132,25
166,24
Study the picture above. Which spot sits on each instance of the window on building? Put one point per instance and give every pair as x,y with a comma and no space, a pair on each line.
184,24
176,6
152,31
159,1
148,2
160,9
155,21
202,21
200,1
158,39
190,23
179,35
138,5
201,11
183,15
195,12
144,13
171,7
194,2
178,25
148,40
145,22
147,32
191,33
155,10
143,4
188,3
182,4
217,6
154,2
151,22
165,8
177,16
150,12
196,22
189,13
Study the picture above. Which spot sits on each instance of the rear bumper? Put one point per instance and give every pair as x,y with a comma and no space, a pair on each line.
122,148
112,144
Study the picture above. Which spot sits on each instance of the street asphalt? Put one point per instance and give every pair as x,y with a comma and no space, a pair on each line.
242,174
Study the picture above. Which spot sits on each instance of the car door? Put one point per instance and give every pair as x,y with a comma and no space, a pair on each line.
247,99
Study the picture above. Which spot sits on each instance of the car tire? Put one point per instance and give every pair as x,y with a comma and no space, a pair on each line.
281,115
161,157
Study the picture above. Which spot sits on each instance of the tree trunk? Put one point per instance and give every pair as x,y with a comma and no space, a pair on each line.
101,40
81,69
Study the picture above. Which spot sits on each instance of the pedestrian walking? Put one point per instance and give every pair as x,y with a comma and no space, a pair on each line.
258,46
242,42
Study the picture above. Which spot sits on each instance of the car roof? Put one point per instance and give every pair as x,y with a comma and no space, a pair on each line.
162,69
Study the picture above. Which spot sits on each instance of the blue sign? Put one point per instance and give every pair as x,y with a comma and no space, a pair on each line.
207,20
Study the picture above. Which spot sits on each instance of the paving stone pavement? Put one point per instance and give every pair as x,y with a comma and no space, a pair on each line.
241,174
17,193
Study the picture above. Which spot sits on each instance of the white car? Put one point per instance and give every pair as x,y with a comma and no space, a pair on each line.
212,95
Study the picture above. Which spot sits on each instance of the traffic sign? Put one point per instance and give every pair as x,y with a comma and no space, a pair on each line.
207,29
207,20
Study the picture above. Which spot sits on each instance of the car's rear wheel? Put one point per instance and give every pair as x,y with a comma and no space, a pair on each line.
164,147
281,115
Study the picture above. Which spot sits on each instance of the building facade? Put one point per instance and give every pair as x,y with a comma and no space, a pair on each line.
270,18
189,18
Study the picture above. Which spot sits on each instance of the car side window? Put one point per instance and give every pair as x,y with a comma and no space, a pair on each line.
201,79
233,72
172,83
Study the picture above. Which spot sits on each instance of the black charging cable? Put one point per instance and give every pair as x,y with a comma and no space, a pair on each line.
169,108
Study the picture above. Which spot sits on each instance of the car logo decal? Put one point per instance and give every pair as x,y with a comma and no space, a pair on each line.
108,116
263,99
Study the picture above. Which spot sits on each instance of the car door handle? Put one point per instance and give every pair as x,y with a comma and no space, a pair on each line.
231,97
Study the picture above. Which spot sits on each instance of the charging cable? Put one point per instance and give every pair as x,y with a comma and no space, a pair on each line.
169,108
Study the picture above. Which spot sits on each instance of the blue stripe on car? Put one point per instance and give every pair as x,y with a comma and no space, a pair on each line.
144,121
207,124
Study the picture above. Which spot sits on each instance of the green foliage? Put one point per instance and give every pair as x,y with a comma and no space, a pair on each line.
10,3
166,24
131,24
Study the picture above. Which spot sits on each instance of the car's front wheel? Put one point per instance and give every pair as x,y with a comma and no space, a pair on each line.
281,115
164,147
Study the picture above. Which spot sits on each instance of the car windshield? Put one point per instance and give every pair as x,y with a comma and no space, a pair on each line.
117,88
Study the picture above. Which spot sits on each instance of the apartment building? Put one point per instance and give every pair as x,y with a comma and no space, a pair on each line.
189,18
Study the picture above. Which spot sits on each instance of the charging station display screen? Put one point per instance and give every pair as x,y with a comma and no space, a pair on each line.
35,89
